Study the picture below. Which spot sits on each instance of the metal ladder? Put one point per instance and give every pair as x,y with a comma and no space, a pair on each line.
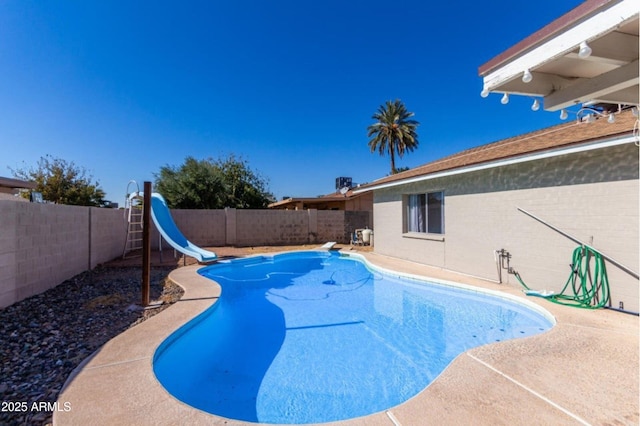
133,212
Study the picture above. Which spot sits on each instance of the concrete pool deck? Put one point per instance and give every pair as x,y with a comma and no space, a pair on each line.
583,371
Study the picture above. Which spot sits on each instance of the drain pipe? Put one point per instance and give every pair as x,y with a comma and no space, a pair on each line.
496,257
500,257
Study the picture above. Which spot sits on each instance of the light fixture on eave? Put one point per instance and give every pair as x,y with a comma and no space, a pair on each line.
563,114
584,50
505,99
484,93
588,114
536,105
527,76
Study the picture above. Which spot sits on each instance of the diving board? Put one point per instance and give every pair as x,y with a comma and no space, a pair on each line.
170,232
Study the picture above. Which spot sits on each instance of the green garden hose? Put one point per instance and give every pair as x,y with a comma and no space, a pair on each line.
590,286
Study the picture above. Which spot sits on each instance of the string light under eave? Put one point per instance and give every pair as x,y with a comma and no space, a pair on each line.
586,114
589,115
584,51
536,105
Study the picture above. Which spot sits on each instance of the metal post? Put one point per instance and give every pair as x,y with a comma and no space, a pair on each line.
146,244
89,250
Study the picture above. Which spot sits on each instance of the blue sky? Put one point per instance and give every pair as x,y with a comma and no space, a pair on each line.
123,88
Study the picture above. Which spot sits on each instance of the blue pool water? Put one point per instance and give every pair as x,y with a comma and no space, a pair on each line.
313,337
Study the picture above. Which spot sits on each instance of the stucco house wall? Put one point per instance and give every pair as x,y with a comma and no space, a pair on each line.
591,195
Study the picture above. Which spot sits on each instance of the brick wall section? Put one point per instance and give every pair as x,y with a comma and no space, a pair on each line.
271,227
236,227
331,226
592,195
41,245
8,246
201,227
338,226
108,234
52,245
356,220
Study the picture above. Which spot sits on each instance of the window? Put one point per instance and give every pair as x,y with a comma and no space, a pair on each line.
425,213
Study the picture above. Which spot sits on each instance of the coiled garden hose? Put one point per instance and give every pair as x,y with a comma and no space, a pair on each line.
590,287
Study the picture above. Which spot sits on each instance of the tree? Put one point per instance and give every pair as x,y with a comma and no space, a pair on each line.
212,184
245,188
194,185
63,182
394,132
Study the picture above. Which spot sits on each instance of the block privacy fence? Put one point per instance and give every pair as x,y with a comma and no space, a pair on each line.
42,245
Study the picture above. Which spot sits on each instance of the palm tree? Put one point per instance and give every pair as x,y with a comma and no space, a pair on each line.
394,132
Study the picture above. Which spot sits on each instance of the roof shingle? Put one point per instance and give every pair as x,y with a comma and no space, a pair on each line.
561,135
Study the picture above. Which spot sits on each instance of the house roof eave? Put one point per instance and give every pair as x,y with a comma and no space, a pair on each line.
17,183
548,153
564,76
560,24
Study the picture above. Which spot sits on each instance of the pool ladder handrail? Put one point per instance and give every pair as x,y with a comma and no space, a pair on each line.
133,212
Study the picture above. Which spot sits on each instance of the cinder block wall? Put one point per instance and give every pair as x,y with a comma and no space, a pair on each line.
108,234
357,220
271,227
201,227
237,227
591,195
331,226
8,249
41,245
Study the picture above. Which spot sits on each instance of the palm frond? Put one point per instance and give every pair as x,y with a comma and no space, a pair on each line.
394,131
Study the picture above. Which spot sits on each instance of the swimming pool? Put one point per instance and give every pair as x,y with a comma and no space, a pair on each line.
312,337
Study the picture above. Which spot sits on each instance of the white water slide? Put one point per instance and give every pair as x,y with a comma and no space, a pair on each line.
170,232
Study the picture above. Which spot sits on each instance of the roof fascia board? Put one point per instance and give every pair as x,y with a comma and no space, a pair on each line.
510,161
592,28
318,200
16,183
589,7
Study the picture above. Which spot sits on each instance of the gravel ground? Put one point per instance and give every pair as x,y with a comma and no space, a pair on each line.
43,338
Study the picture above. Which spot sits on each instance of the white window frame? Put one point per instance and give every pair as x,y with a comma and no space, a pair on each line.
416,213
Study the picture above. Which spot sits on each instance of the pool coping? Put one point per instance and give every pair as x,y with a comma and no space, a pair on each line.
503,383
